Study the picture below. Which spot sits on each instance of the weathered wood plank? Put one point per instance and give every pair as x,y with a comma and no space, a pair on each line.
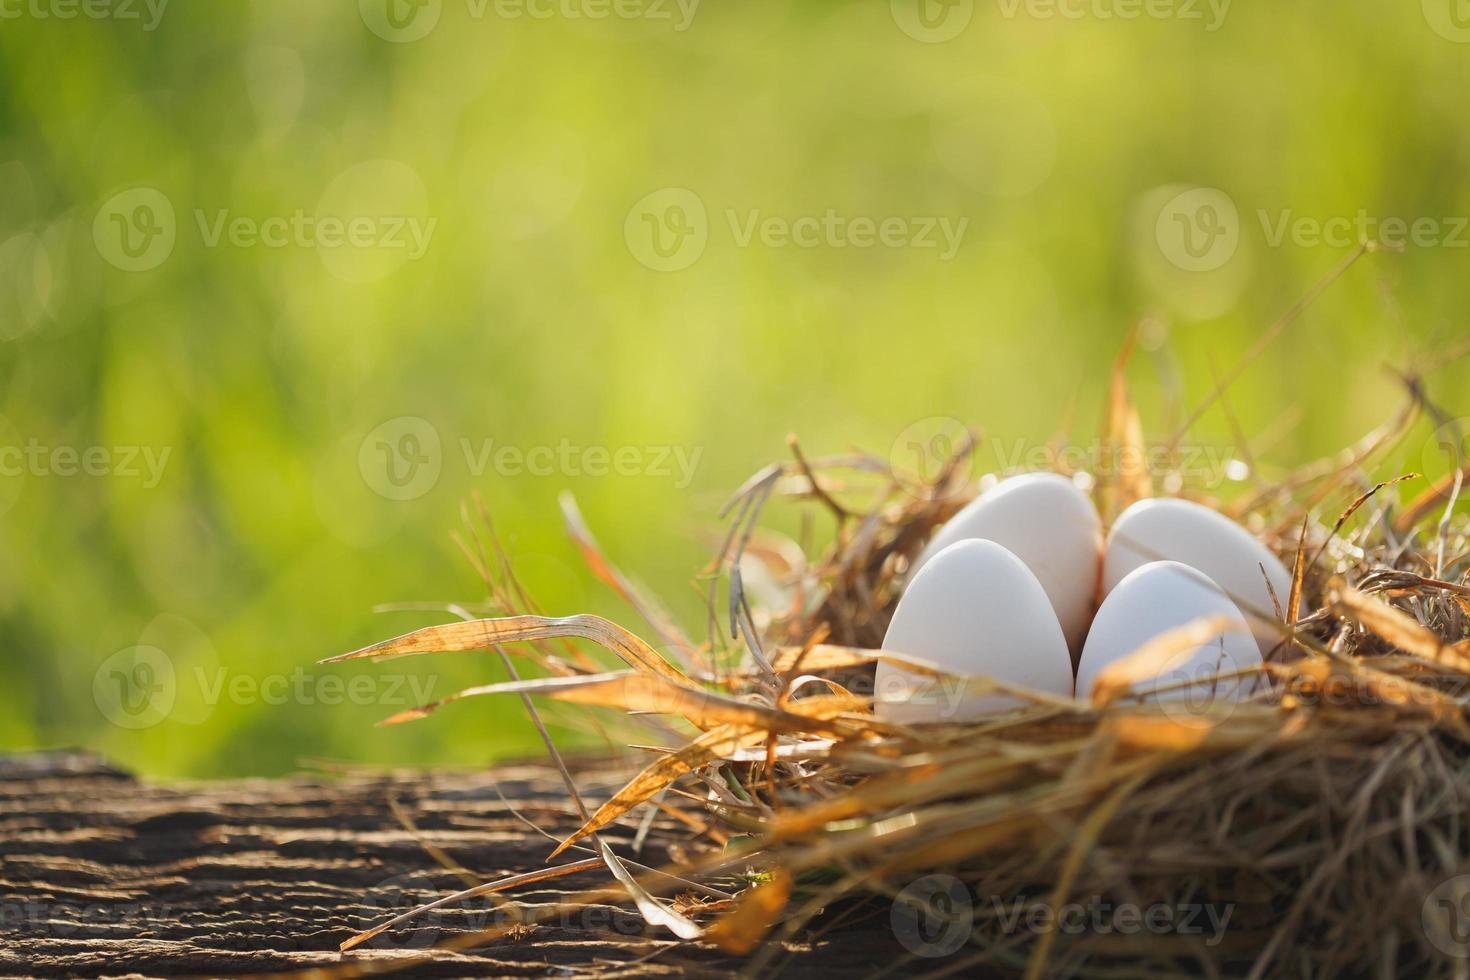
103,874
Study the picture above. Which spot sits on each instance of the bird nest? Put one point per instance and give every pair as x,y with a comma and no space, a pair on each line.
1319,826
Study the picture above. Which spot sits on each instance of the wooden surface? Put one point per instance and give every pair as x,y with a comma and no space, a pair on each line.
102,874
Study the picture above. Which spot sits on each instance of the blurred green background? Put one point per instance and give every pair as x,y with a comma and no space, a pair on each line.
278,280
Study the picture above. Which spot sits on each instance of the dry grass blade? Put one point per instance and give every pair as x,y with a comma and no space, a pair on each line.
651,781
1224,730
1357,682
1298,574
930,777
1275,330
838,511
652,910
1085,840
825,657
1154,657
1430,500
504,884
632,691
627,690
1124,437
480,634
441,857
742,928
647,606
1397,627
1353,509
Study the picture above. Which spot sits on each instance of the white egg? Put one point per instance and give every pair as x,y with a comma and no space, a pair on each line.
1181,530
974,608
1150,601
1052,526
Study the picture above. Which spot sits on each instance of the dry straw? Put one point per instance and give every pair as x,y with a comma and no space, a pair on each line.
1328,812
